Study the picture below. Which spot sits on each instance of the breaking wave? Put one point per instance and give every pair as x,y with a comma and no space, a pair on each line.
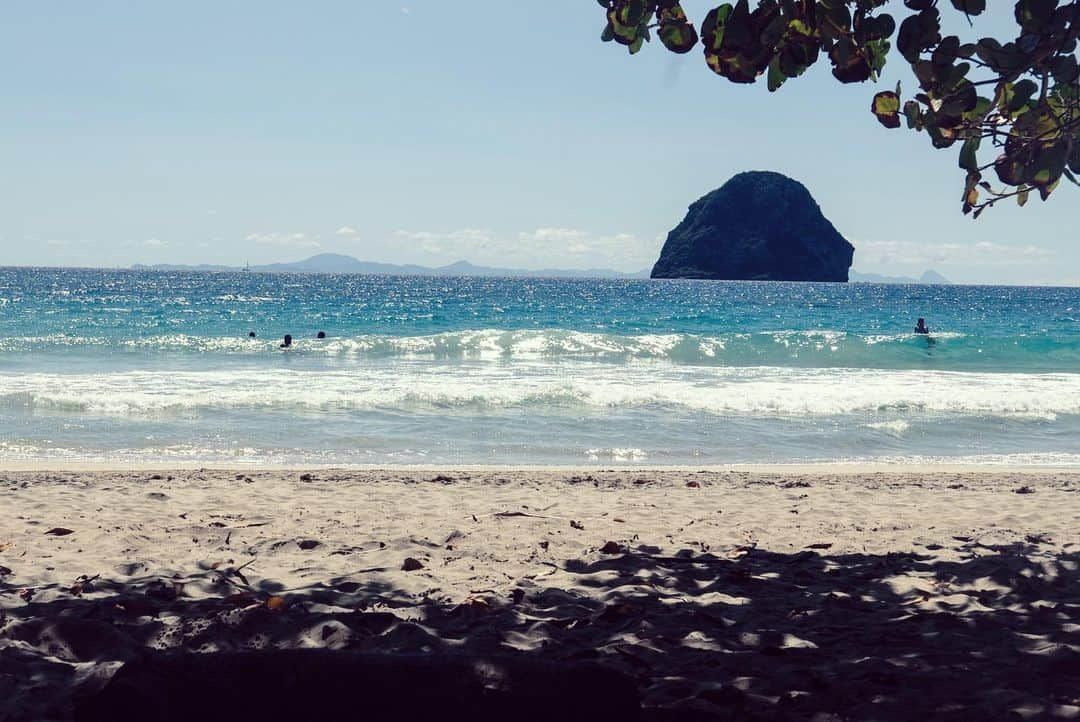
538,387
815,348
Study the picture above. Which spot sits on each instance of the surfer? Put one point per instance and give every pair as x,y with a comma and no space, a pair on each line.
920,327
287,343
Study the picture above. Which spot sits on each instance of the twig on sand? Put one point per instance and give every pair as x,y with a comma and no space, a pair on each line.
238,572
509,514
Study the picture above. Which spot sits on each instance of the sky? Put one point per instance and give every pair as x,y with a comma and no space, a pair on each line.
431,131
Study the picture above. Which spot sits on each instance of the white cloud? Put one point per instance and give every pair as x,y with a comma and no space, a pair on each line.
580,242
285,240
155,243
539,248
983,253
347,231
460,243
57,243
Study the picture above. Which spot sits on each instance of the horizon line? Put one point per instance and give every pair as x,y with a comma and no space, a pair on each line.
224,269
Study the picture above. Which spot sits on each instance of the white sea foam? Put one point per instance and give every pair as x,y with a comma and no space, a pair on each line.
896,427
752,391
1049,458
616,454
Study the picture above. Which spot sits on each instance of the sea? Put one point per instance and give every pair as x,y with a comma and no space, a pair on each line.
131,367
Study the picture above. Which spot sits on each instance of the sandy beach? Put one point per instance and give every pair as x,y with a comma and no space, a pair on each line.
802,593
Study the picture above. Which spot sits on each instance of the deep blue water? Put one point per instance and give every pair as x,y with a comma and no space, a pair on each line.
127,366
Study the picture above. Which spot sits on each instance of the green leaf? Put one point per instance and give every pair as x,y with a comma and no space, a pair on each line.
738,30
678,37
1022,92
850,63
972,179
969,154
834,20
946,53
1066,70
1046,190
1022,196
776,75
1010,170
940,137
970,7
919,32
982,107
622,32
886,107
875,28
913,114
1046,167
712,29
1002,59
1031,15
963,99
672,12
609,34
879,51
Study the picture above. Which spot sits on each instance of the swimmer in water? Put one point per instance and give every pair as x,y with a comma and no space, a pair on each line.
251,334
322,334
920,327
287,343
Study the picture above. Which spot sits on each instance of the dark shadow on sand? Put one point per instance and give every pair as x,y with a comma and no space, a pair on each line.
754,635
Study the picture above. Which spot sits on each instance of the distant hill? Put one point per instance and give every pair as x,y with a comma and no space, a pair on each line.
337,263
930,278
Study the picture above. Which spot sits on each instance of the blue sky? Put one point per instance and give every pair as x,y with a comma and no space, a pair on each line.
428,131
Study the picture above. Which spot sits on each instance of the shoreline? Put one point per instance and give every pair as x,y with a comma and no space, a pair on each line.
796,468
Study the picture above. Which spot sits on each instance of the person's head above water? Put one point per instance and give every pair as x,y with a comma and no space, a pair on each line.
322,334
287,342
251,334
920,326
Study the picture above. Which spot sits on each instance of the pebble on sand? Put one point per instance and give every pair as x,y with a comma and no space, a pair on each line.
610,548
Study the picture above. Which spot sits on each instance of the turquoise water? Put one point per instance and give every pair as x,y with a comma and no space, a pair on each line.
129,367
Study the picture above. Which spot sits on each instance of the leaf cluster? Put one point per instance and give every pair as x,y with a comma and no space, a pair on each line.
1012,104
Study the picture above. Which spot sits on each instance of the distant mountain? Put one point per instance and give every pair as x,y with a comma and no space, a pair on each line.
933,278
930,278
337,263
